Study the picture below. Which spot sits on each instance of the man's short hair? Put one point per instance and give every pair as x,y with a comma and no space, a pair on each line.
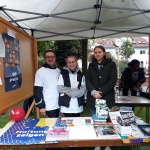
49,51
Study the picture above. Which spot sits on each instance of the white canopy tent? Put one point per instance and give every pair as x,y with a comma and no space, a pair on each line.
78,19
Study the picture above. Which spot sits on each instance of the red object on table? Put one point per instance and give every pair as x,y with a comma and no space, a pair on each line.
17,114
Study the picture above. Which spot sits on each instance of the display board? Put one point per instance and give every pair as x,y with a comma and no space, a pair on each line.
22,57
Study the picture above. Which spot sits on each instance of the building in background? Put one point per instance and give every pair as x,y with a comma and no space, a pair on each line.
111,44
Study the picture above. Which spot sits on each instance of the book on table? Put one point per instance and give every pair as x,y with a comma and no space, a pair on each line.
100,103
105,130
145,129
123,118
96,119
101,108
128,117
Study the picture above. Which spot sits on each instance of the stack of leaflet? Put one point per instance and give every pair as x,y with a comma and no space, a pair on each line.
57,129
101,111
125,123
127,115
64,122
124,120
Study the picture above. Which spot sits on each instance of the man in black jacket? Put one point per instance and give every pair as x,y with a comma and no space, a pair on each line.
132,78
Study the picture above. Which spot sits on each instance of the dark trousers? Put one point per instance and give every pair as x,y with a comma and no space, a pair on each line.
71,114
52,113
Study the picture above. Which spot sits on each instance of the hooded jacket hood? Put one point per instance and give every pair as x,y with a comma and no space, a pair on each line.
76,70
106,60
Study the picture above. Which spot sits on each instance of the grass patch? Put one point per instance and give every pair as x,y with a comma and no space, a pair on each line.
4,119
143,114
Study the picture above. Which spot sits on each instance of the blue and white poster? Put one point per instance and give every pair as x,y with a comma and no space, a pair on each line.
26,132
12,71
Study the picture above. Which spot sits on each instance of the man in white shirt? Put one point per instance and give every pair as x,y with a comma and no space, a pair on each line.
45,86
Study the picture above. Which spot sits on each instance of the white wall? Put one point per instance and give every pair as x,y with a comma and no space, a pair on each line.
141,57
137,55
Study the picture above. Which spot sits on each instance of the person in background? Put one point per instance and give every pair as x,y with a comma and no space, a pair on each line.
45,86
132,78
71,88
101,79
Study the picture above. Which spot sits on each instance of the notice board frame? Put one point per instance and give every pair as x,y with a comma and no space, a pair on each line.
28,65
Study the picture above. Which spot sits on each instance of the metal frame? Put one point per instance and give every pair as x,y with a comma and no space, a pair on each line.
98,8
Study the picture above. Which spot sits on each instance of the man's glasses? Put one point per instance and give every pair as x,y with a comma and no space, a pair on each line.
48,57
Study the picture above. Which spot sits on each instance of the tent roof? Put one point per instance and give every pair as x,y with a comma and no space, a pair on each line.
78,19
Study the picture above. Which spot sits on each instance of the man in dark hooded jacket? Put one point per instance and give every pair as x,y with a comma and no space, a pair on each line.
132,78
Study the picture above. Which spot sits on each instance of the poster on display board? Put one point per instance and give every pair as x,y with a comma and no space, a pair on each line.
12,71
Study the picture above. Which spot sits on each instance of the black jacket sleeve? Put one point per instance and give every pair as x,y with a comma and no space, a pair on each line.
142,77
38,95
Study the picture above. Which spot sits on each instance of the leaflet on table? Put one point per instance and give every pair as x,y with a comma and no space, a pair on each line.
145,129
57,133
135,132
46,122
113,116
105,130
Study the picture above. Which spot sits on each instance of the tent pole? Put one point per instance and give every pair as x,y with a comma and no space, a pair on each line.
148,108
84,56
